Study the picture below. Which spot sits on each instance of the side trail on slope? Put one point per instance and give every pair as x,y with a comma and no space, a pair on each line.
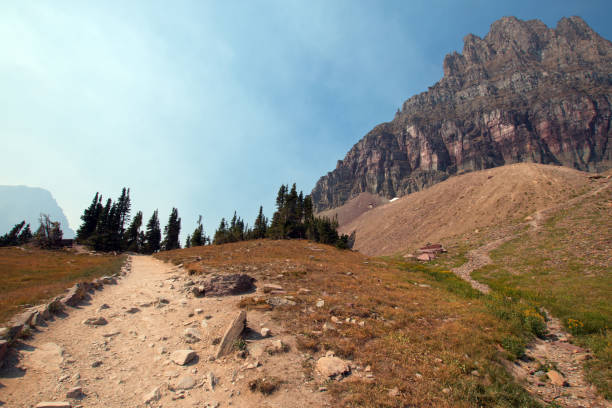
569,388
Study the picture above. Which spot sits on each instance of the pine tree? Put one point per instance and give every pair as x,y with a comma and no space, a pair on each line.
221,234
90,219
12,237
277,227
130,238
172,231
198,238
309,227
25,236
152,237
188,241
123,207
261,225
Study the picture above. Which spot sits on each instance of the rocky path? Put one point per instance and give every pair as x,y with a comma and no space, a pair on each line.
552,367
134,359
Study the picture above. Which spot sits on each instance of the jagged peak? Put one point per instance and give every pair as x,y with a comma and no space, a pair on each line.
513,39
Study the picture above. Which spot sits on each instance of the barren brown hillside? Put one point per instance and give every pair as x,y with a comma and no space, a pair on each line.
462,204
354,208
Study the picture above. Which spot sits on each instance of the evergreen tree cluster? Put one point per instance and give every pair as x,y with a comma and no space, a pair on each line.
20,234
104,227
197,238
48,235
294,218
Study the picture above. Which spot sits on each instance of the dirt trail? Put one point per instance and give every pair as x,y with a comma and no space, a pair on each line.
119,363
554,350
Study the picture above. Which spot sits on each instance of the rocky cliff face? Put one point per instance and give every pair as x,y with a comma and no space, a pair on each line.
523,93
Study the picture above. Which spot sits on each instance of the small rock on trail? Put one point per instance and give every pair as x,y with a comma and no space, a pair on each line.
182,357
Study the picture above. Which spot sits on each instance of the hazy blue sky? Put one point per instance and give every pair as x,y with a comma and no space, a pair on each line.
210,105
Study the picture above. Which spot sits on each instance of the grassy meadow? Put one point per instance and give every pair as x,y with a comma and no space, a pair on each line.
29,276
566,267
424,331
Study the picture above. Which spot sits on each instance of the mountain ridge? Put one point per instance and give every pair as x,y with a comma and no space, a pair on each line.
522,93
18,203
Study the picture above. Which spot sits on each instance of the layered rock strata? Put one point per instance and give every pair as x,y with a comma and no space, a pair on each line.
523,93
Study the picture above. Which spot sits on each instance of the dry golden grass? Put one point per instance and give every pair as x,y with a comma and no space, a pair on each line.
30,275
424,331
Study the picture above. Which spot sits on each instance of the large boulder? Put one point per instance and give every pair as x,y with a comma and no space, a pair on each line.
225,285
332,366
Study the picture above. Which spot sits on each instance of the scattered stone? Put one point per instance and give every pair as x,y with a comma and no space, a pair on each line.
556,378
192,335
186,382
320,303
198,291
265,332
418,375
368,368
109,280
269,287
212,380
96,363
446,390
55,306
231,334
279,301
328,326
132,310
152,396
53,405
182,357
394,392
76,392
332,367
304,290
104,306
199,311
111,334
276,347
95,321
426,258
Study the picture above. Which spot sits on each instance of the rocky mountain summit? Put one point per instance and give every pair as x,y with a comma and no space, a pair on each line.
523,93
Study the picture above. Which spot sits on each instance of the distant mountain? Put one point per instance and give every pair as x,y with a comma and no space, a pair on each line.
522,93
18,203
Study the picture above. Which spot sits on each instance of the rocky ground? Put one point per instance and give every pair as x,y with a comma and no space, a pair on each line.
149,341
